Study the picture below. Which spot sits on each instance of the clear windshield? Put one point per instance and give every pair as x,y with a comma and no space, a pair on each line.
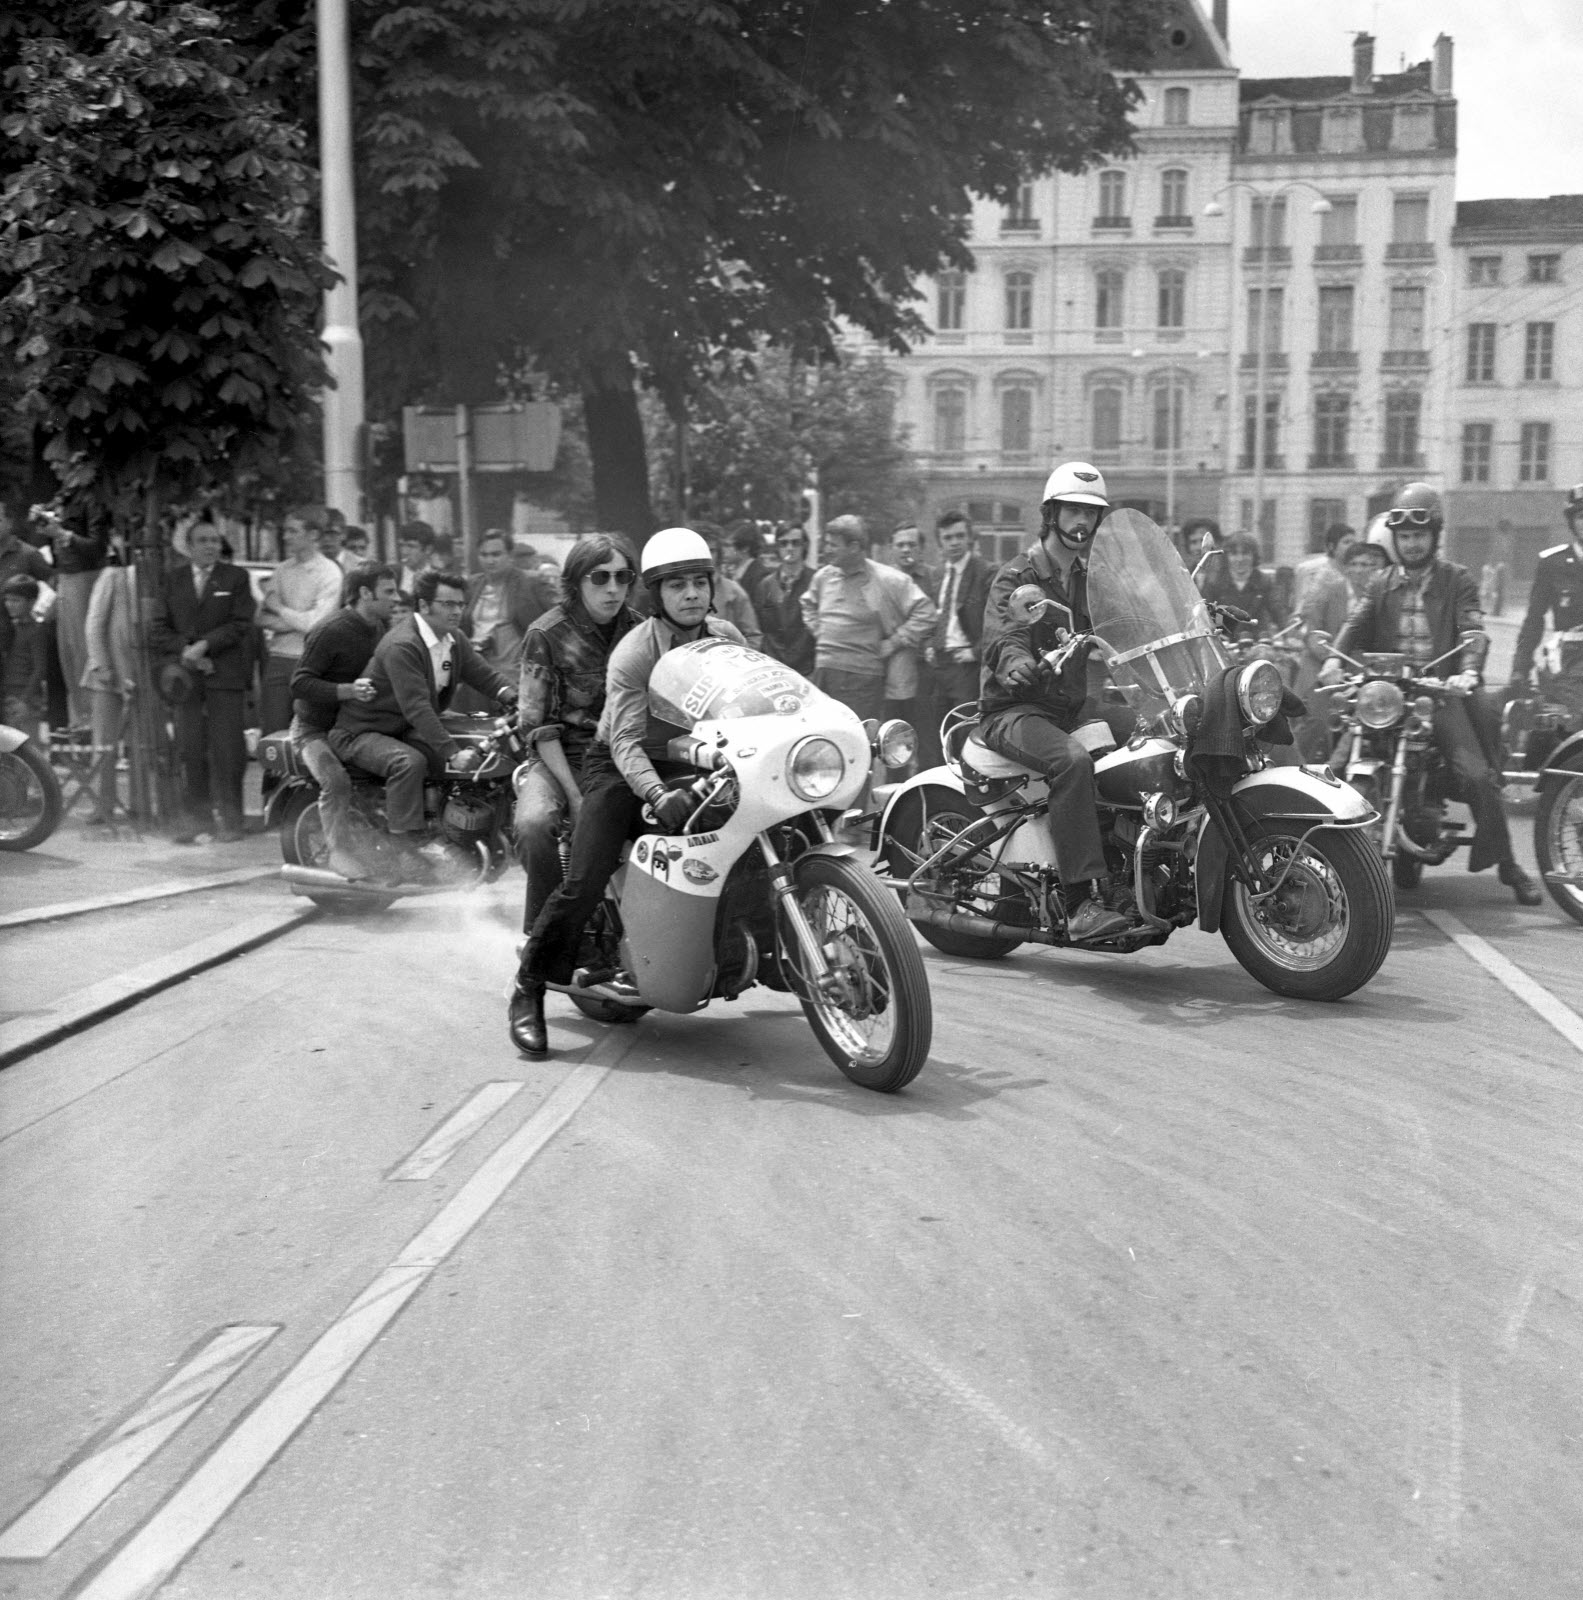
1145,607
713,679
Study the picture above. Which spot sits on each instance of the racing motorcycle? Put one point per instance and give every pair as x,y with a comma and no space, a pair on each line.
31,803
1274,858
758,887
468,809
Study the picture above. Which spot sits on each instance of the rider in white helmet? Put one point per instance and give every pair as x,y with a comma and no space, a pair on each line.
1029,716
620,771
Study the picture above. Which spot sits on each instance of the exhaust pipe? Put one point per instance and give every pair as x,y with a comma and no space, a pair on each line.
981,927
307,880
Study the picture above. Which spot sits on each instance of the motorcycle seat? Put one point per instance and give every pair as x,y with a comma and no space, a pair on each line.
1095,737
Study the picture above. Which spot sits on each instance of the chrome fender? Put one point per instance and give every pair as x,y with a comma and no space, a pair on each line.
11,739
1564,763
275,806
1296,794
941,777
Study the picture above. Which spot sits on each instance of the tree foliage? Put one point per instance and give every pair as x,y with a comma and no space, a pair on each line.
161,292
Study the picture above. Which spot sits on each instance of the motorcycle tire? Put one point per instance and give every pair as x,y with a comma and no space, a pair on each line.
302,845
882,973
30,798
1333,919
1407,872
927,815
1558,839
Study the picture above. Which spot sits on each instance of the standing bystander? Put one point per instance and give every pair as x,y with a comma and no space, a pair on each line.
961,592
303,590
22,656
779,603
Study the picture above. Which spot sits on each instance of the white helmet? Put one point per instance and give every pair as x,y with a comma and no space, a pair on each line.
1077,482
671,553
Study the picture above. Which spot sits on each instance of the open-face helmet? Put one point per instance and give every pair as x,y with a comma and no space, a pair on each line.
1416,507
1073,483
675,553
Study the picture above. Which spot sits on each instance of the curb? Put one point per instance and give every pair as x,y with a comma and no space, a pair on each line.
132,897
74,1012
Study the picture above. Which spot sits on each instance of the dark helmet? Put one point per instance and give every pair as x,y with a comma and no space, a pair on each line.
1416,506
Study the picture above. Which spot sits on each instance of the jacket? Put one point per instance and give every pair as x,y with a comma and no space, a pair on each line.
779,607
406,704
906,620
1557,592
527,597
1007,643
1451,606
111,631
297,598
561,688
336,652
972,594
223,617
1257,599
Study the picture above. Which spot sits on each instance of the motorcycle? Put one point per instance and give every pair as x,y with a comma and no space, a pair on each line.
468,809
758,887
1203,827
1544,742
31,804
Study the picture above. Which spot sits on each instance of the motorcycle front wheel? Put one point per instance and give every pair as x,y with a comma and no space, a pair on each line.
30,798
302,844
1558,840
1327,925
874,1016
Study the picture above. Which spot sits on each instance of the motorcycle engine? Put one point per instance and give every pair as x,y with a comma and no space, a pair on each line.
467,822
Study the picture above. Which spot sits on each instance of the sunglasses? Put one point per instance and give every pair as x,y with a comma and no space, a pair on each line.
602,577
1409,517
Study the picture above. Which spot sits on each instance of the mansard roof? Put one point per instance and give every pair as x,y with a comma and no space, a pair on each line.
1385,86
1187,41
1560,213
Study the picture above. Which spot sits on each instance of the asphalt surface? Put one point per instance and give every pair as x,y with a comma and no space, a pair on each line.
1151,1284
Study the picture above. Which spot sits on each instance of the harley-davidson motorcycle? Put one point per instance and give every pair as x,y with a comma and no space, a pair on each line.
758,888
468,809
1274,858
31,803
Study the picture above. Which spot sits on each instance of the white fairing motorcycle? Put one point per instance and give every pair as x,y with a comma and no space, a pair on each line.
757,888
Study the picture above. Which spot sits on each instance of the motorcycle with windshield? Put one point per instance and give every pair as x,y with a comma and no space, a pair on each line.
757,887
1206,830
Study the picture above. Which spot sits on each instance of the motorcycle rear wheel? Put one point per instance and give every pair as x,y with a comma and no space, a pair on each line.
1328,928
302,844
30,798
879,1026
1558,840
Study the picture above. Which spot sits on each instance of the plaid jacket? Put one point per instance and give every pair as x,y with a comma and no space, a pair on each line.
561,691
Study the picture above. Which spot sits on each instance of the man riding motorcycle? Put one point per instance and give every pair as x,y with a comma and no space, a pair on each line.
623,770
1424,608
1028,714
1557,592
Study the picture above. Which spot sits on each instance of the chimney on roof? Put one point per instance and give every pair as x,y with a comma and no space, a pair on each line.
1219,17
1440,72
1362,62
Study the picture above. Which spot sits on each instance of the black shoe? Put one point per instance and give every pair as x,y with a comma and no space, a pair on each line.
525,1019
1527,892
1094,920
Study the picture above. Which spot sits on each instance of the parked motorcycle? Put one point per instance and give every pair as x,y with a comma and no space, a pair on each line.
1273,858
30,794
758,888
468,810
1544,740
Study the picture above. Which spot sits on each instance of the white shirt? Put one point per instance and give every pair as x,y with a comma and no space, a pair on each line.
955,638
439,651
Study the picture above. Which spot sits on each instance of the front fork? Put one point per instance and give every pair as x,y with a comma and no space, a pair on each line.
815,963
1393,806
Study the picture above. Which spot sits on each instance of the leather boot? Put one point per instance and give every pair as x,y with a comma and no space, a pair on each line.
1093,920
525,1019
1527,892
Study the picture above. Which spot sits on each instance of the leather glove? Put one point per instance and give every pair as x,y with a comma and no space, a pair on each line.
672,809
1020,675
1331,672
466,760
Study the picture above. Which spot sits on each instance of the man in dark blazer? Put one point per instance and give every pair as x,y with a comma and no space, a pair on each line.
203,621
397,732
956,654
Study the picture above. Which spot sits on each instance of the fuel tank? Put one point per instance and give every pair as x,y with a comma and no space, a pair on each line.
1126,775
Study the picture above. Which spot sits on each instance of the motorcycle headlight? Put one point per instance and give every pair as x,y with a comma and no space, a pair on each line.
896,743
1259,690
1159,811
815,769
1380,704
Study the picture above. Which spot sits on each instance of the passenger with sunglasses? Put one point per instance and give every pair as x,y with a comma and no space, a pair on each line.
1426,608
560,697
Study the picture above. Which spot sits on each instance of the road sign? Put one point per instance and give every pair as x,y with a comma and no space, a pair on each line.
523,437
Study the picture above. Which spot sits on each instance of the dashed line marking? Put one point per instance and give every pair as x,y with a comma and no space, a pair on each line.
86,1485
454,1132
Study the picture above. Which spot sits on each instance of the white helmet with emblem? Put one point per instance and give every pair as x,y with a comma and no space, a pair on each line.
1076,482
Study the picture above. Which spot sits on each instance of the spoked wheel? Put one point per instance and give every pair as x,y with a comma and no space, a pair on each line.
302,844
1326,926
922,822
873,1015
601,948
1558,840
30,799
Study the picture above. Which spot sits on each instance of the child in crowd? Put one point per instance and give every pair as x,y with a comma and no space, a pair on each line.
22,656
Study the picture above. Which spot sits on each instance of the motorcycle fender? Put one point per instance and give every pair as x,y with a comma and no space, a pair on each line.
934,778
275,806
11,739
669,927
1563,763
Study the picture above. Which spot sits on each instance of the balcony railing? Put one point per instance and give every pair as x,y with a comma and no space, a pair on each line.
1274,361
1019,225
1112,224
1180,222
1397,460
1404,360
1278,255
1338,252
1272,463
1334,360
1410,250
1323,462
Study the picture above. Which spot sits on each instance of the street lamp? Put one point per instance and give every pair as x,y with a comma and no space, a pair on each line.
1261,369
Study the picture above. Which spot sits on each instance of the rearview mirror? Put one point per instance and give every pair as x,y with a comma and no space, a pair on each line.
1027,603
1204,560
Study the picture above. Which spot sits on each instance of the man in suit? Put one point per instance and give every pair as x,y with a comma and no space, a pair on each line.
203,620
956,649
397,731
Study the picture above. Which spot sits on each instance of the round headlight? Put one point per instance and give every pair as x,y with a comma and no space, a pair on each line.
815,769
896,742
1159,811
1259,690
1379,704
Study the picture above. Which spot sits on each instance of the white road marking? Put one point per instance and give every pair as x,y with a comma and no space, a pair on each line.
450,1136
155,1550
1561,1017
72,1499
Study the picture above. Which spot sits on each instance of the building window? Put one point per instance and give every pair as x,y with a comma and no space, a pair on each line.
1019,300
1539,348
1335,318
1481,353
1269,222
1016,420
1410,219
1484,271
1407,318
950,419
1175,114
1167,428
1323,515
1533,453
1105,405
1173,192
951,301
1403,410
1272,428
1272,319
1544,269
1110,288
1477,438
1113,196
1172,297
1332,425
1019,214
1339,225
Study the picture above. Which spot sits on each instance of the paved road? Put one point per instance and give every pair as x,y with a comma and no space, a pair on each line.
1153,1284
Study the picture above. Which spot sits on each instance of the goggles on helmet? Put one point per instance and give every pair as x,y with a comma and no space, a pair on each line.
1409,517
